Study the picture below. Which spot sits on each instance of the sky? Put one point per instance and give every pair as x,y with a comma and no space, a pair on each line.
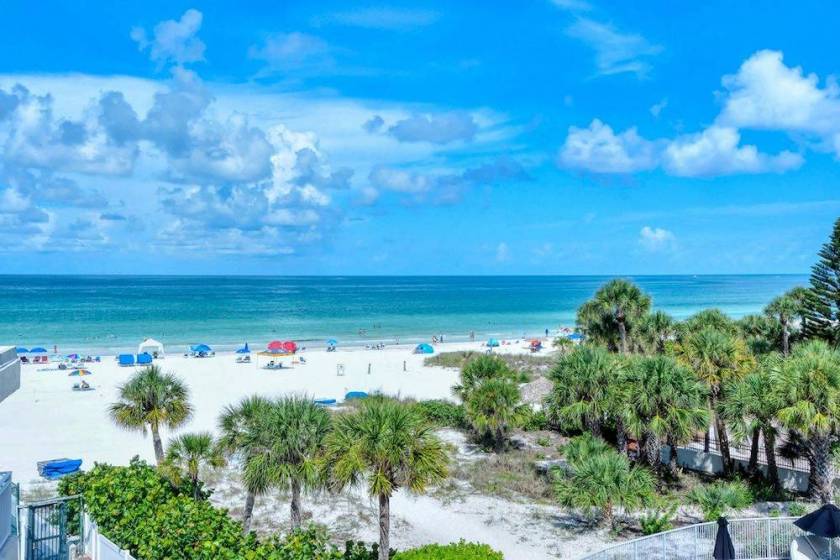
539,137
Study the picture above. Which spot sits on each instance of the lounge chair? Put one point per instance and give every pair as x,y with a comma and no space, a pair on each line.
126,360
81,388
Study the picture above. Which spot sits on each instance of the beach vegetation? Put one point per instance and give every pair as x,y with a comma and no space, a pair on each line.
385,445
613,314
482,368
492,409
442,413
240,426
659,516
719,498
822,302
149,400
188,454
788,310
457,551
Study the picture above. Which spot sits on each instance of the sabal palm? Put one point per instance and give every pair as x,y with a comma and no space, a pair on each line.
188,453
751,406
290,439
654,330
491,409
151,399
582,379
241,430
617,304
480,369
808,386
605,481
667,404
388,446
717,358
784,309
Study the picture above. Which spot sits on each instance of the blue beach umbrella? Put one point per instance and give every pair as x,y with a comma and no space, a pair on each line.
492,343
244,350
38,350
200,348
332,342
21,350
424,349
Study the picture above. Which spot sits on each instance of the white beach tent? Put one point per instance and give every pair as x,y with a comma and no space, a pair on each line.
152,346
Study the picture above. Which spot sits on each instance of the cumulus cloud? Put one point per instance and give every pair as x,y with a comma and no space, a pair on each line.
599,149
717,151
656,239
173,41
437,129
616,52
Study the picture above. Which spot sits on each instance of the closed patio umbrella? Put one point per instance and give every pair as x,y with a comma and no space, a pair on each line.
724,549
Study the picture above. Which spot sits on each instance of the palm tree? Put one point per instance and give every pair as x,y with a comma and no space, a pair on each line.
717,358
480,369
605,481
582,379
241,430
784,308
491,409
654,330
707,318
751,406
617,305
389,446
151,399
809,390
666,406
187,453
760,332
290,439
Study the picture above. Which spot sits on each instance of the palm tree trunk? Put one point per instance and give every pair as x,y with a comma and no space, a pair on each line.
384,527
770,454
248,513
594,426
785,338
622,333
295,506
819,479
620,436
653,449
672,458
752,466
157,443
723,443
195,487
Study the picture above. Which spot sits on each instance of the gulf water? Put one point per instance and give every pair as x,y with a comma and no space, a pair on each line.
106,314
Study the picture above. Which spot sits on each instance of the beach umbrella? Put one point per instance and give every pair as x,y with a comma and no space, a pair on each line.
79,372
275,346
21,350
244,350
724,549
492,342
332,342
72,356
38,350
290,347
200,348
823,522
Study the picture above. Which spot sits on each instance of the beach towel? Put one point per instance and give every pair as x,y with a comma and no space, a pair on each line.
57,468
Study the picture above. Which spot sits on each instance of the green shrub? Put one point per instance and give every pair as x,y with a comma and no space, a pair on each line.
533,420
658,518
456,551
583,447
795,509
141,511
719,498
442,413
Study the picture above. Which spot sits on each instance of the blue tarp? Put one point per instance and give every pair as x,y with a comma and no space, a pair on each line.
144,359
325,402
38,350
244,350
492,342
60,467
424,349
575,336
126,359
201,348
21,350
355,395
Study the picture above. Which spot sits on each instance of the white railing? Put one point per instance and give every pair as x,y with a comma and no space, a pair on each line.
100,547
761,538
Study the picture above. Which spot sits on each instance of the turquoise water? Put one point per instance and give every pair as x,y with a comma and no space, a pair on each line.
109,313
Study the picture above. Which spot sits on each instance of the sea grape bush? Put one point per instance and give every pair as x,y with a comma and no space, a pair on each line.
456,551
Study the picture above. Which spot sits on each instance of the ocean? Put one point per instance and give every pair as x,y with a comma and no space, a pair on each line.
107,314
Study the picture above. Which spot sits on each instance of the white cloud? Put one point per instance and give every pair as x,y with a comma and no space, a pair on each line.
286,51
437,129
502,252
657,108
716,151
573,5
615,52
173,41
599,149
399,180
656,239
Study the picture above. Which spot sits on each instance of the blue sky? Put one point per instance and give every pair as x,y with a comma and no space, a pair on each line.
544,137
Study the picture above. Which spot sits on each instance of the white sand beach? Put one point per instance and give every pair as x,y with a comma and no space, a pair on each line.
47,420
